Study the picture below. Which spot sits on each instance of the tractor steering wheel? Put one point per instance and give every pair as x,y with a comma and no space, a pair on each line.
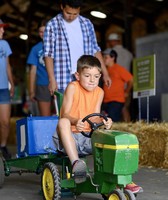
93,125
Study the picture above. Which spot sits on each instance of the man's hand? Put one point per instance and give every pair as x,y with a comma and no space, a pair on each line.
52,86
107,80
12,90
32,96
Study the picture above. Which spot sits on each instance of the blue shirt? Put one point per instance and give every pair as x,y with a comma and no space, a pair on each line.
36,58
5,51
56,46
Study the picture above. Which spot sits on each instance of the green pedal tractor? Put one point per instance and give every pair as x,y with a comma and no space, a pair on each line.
115,157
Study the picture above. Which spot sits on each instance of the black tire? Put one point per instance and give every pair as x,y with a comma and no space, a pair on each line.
129,195
116,194
2,172
50,182
105,197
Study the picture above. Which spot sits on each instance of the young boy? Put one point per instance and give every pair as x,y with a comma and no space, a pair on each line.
81,97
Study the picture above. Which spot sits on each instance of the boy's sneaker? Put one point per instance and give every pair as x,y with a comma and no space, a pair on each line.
79,171
5,153
134,188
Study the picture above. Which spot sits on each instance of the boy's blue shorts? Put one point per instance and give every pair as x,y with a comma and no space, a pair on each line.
5,96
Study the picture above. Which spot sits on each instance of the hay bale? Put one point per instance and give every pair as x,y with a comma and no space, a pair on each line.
153,141
12,134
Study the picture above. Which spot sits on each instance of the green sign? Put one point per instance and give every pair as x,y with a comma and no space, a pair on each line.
144,76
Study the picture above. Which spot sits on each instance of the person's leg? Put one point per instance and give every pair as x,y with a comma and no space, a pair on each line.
125,111
114,110
68,142
5,112
44,108
126,114
44,99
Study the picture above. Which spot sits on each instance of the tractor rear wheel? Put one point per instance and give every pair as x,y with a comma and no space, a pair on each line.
50,182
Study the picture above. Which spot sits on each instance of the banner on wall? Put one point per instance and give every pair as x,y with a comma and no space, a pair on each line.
144,76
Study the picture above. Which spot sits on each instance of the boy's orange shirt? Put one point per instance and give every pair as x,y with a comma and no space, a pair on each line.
84,103
119,76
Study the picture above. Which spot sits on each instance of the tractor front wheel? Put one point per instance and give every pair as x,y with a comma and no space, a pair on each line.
116,194
129,195
50,182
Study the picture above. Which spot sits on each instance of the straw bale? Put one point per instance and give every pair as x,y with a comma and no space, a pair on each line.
153,141
12,134
152,137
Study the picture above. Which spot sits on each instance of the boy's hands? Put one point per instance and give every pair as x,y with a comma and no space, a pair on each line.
108,123
80,125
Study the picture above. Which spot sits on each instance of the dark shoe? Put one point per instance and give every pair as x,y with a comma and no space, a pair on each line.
5,153
134,188
79,171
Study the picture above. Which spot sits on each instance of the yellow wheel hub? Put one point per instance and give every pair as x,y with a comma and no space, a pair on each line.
48,184
113,197
127,198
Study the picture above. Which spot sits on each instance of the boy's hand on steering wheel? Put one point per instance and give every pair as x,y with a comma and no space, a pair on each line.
108,123
80,125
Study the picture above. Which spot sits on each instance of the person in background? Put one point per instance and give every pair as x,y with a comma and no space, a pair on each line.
68,36
81,97
122,82
6,91
124,59
116,95
38,78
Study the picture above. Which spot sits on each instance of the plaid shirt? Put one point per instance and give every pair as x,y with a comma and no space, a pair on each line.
56,46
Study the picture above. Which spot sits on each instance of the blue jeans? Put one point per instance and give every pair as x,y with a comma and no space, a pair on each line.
114,110
5,96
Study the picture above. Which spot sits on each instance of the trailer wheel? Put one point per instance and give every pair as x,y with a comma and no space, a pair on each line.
129,195
2,172
116,195
50,182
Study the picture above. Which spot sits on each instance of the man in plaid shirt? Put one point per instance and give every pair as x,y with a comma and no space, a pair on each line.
68,36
